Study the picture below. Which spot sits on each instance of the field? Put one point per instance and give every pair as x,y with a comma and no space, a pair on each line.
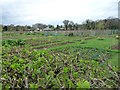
45,60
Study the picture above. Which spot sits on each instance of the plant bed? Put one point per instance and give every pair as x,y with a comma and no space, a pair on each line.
49,70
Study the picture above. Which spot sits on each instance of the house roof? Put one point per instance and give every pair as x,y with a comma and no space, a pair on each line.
47,28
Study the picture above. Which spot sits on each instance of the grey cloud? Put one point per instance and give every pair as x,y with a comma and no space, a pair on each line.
20,11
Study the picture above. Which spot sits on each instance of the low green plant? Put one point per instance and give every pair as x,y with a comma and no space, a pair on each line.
84,84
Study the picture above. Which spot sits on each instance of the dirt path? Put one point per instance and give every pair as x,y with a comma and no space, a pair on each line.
53,45
116,47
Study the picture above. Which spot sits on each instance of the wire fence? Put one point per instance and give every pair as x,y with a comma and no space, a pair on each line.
86,32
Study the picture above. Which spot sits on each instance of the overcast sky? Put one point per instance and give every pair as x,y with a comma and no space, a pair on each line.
55,11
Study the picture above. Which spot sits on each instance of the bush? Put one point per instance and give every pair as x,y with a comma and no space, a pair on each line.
28,33
99,38
117,37
70,34
42,34
82,42
20,42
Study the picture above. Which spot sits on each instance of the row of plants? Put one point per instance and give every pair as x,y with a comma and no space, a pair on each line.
23,67
13,42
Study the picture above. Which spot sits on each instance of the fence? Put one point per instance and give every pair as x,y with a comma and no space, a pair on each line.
86,32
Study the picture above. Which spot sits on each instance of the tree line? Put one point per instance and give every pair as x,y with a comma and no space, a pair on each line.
109,23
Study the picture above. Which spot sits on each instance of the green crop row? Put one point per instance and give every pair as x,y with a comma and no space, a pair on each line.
13,42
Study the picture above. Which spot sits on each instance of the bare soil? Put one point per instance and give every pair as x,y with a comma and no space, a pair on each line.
57,44
116,47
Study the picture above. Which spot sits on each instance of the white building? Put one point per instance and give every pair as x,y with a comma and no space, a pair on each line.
47,29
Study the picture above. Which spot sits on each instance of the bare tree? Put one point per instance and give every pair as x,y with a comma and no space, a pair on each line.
66,22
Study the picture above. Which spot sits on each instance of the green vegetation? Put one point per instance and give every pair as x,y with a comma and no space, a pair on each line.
105,43
39,61
13,42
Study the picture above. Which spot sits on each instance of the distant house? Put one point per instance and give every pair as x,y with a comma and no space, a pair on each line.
28,29
36,30
47,29
62,28
38,27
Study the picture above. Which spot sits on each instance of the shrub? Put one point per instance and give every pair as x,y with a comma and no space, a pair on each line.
28,33
82,42
100,38
70,34
117,37
20,42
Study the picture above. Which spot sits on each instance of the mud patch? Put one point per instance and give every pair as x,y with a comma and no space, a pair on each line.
116,47
88,38
53,45
34,44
